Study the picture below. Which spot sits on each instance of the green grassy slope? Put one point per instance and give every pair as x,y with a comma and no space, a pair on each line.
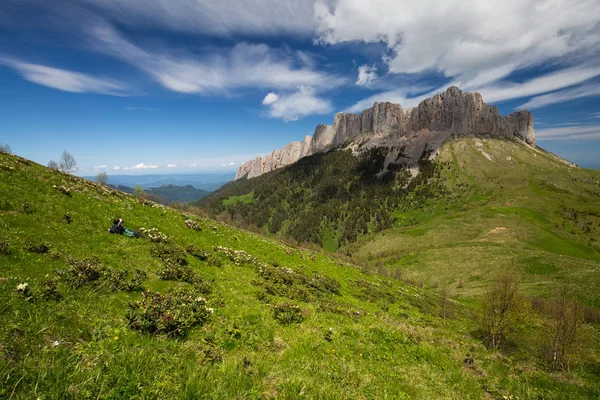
357,334
524,209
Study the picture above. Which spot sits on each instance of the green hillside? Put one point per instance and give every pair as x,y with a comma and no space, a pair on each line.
504,206
481,206
198,309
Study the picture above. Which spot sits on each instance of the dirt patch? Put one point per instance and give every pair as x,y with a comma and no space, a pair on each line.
498,229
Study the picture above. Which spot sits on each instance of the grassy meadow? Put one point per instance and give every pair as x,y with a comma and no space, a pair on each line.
199,309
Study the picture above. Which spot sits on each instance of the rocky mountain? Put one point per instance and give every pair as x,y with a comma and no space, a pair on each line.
407,132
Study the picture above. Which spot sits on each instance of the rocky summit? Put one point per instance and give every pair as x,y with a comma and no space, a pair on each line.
407,132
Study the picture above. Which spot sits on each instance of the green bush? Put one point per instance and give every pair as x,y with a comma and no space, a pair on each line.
169,252
49,289
37,247
172,314
4,247
171,271
197,252
82,272
287,313
118,280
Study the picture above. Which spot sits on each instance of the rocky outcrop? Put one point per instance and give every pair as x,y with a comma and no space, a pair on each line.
435,118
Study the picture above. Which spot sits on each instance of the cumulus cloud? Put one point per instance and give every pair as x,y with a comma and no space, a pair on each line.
476,44
245,65
270,98
228,164
299,104
172,166
367,74
116,168
99,167
461,37
144,166
65,80
573,132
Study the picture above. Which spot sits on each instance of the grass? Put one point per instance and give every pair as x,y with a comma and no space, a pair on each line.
526,210
358,334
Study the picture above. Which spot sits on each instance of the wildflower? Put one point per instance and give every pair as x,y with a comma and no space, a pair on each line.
22,287
210,310
116,338
55,343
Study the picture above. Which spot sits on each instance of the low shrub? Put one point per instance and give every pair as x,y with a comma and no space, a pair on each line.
287,313
119,280
4,247
197,252
169,252
40,247
49,289
28,208
171,271
172,314
154,235
192,225
82,272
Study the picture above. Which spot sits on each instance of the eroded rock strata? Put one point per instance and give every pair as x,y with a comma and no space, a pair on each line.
408,131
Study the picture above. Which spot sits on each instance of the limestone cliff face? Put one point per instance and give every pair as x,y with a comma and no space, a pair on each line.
434,119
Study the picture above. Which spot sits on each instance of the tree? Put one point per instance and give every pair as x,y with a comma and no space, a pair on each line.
498,309
52,164
67,162
139,191
5,148
102,178
564,329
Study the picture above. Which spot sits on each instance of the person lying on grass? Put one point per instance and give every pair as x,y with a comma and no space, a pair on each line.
121,230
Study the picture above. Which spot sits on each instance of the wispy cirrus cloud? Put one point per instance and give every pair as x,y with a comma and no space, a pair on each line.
562,96
572,132
223,71
66,80
222,18
506,90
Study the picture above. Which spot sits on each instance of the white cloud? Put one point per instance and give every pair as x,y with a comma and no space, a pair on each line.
596,115
217,71
134,108
463,37
502,91
172,166
367,74
270,98
116,168
299,104
192,165
563,96
144,166
575,132
68,81
542,84
99,167
223,17
393,96
231,163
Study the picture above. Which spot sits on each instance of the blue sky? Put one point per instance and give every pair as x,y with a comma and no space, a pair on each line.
151,86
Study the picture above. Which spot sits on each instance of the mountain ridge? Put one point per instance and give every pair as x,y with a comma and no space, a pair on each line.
407,132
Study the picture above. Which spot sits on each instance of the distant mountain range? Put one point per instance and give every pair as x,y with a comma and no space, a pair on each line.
167,194
206,181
